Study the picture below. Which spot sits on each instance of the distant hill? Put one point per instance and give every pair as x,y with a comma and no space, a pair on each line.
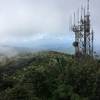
11,51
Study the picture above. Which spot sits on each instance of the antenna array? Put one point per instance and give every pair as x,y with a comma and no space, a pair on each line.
84,36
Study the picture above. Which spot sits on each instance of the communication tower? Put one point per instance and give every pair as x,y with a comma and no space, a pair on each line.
84,35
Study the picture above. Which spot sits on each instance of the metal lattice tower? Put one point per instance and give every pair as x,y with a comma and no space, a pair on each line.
84,36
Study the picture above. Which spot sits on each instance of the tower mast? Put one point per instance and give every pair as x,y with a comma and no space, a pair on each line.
83,36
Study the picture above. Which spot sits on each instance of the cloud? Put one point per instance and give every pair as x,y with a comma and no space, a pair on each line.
23,22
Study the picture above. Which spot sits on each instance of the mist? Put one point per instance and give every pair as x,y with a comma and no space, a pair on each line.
42,24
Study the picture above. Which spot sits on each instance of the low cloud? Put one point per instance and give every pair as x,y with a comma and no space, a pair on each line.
24,22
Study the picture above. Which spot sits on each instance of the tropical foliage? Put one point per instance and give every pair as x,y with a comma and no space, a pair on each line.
51,76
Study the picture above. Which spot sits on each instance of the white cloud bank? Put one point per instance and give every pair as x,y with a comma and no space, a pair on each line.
24,22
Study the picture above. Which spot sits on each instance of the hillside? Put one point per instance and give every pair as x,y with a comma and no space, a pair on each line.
49,76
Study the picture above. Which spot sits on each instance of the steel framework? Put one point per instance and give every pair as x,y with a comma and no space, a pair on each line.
84,35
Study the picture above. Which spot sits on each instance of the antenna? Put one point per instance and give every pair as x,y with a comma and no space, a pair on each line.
88,6
81,11
84,12
92,43
78,16
74,18
83,28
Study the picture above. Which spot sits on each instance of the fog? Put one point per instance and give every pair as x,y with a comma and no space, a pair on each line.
42,23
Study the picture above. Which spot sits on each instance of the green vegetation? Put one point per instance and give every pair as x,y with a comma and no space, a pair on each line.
50,76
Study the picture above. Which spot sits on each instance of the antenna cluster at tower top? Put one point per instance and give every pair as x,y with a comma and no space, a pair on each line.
84,35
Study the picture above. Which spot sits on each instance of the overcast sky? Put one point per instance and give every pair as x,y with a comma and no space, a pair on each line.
35,23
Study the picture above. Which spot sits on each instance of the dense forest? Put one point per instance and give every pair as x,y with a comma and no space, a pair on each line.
49,76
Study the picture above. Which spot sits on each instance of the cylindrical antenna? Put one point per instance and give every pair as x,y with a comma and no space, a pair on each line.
74,18
92,42
81,12
88,6
84,13
78,16
92,35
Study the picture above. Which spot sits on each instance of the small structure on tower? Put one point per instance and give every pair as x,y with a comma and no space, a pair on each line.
84,35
